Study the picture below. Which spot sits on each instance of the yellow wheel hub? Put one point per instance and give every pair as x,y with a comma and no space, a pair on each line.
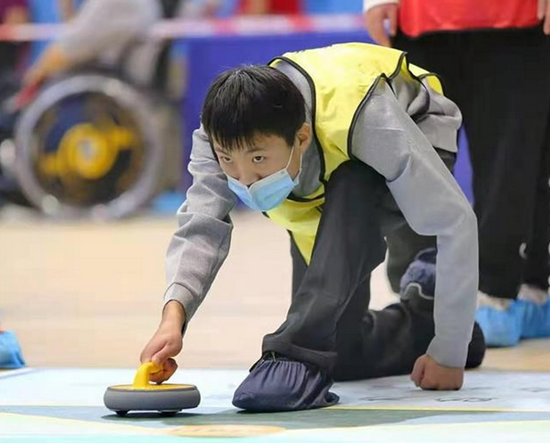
87,151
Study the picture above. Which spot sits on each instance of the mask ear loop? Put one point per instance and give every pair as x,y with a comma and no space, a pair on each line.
290,161
290,158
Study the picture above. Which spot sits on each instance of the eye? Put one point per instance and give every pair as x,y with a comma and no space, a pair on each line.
258,158
225,159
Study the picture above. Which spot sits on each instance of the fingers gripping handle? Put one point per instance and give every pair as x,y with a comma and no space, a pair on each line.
141,380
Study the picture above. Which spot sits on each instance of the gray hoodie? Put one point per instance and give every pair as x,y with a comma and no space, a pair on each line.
395,134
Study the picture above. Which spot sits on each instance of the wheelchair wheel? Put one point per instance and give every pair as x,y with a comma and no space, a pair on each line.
88,146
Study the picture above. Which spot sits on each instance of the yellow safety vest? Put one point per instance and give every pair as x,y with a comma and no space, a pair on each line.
341,78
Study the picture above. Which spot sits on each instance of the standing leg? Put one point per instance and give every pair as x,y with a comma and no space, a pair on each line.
533,298
506,122
537,261
506,128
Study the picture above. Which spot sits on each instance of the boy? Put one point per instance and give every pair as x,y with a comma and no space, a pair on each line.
339,146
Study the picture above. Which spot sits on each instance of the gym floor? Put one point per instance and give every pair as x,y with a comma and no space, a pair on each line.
84,299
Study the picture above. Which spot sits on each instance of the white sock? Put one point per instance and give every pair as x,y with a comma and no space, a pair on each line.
533,294
490,301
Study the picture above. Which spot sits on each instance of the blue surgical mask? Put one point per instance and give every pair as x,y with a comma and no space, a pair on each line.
269,192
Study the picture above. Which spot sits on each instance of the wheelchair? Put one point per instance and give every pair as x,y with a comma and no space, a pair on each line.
92,145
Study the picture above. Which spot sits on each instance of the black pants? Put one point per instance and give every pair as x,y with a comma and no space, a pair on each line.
501,82
329,323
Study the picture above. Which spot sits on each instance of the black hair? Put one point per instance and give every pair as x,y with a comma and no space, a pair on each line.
252,100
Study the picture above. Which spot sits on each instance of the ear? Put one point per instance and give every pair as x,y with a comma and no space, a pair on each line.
304,136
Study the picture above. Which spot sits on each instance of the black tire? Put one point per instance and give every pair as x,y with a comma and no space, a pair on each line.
168,413
109,199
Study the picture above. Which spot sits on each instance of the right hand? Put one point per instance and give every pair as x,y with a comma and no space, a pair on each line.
428,374
375,19
544,14
166,343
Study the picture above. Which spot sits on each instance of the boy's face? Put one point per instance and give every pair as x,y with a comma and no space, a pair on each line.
266,155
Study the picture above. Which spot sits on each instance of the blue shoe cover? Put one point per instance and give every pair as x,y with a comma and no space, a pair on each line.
10,351
536,319
280,384
501,328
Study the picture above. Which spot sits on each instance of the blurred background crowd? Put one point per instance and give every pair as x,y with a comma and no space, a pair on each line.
72,145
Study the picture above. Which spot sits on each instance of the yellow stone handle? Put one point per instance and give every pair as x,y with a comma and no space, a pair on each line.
141,380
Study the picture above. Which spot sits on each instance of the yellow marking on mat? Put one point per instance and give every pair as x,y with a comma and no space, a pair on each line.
394,427
227,431
235,430
428,408
239,431
89,424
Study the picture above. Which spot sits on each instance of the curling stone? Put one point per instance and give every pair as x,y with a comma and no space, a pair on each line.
168,399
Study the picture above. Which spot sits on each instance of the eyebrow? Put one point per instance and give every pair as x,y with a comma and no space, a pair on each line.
248,150
254,149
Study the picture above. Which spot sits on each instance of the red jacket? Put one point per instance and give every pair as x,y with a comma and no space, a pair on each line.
421,16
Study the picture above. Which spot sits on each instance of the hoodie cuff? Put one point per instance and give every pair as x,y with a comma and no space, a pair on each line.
182,295
449,353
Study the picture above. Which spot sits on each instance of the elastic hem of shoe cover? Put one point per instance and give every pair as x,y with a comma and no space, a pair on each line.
326,362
